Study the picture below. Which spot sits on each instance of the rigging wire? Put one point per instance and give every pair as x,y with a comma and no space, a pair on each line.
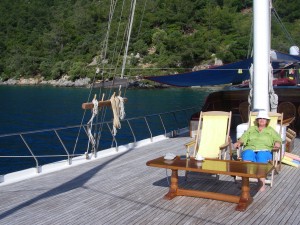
101,69
82,119
142,18
102,57
250,44
114,71
99,128
281,24
289,37
129,29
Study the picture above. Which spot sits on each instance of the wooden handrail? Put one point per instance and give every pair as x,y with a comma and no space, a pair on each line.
288,121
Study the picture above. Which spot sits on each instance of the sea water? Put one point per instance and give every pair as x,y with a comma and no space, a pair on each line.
31,108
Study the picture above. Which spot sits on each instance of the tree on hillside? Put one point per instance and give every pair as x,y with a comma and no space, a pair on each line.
57,37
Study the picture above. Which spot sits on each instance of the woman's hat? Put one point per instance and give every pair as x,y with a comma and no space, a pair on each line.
262,115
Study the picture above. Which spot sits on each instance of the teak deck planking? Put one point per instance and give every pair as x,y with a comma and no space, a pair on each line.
121,189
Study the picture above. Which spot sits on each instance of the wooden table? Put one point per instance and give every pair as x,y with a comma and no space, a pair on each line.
245,170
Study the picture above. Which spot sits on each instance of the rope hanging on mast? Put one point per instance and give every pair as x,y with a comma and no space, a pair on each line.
95,124
117,105
91,137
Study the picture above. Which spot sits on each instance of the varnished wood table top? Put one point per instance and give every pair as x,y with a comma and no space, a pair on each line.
245,170
215,166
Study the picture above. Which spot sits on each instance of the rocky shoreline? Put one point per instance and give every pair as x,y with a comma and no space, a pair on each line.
82,82
63,82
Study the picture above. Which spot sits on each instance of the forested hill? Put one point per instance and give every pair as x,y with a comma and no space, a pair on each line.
52,38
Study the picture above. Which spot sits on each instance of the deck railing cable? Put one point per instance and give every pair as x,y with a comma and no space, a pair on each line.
131,122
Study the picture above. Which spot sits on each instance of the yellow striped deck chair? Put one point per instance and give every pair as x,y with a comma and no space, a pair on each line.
212,137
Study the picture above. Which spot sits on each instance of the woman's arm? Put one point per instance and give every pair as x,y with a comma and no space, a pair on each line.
276,139
238,144
277,145
276,136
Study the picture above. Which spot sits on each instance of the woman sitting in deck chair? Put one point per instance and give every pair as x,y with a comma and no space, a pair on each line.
258,141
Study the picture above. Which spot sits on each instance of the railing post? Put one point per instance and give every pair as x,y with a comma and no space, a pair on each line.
69,158
38,168
148,128
176,120
162,122
134,138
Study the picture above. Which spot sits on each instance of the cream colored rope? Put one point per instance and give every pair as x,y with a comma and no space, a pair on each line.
91,137
117,105
122,108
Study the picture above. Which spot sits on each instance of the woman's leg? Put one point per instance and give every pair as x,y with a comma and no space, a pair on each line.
263,157
249,155
262,184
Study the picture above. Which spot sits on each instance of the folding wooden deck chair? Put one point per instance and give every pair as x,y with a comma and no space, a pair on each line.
289,111
212,138
276,120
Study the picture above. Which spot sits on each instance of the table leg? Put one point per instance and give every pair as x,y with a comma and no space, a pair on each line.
245,198
173,186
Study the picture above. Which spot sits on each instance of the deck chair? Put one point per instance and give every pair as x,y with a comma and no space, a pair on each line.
290,134
276,120
212,138
289,111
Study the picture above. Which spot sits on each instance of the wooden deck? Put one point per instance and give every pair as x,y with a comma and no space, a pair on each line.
121,189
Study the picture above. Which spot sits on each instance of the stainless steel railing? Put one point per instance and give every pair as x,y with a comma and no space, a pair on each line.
167,121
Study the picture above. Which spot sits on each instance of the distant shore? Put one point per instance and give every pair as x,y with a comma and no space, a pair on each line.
82,82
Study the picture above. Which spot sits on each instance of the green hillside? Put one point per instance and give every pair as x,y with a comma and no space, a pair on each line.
57,37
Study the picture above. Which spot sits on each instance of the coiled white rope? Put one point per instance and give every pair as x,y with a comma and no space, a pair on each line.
117,105
91,137
122,113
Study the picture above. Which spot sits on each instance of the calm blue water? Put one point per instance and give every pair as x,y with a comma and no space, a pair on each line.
34,108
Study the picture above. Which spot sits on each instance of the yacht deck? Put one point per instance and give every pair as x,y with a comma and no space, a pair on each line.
121,189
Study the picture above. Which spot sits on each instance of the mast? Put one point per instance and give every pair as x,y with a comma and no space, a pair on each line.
261,58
